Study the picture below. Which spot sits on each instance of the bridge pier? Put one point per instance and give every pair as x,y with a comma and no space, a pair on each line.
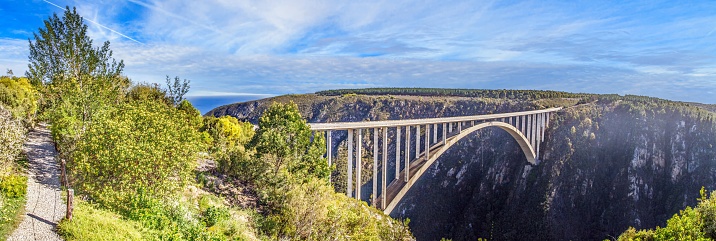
375,167
407,147
359,163
397,152
385,167
349,187
427,144
444,134
328,148
435,134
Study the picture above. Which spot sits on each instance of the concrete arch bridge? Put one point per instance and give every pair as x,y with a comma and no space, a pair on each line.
526,127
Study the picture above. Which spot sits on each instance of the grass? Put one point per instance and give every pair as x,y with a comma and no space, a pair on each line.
92,223
11,212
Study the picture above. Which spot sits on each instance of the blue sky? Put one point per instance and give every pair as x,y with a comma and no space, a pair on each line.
665,49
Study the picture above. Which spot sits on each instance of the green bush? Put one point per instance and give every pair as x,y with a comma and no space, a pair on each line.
12,135
93,223
213,215
19,96
13,186
135,146
689,224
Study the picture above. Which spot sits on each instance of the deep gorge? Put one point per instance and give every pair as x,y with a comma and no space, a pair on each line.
607,163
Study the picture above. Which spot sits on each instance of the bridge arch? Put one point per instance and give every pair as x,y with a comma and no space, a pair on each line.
521,139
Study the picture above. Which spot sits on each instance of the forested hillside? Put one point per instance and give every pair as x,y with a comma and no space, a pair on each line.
609,162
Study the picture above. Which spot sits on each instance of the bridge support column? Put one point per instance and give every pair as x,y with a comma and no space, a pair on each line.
407,151
535,130
539,135
528,128
359,163
349,187
522,125
427,143
435,133
450,127
417,152
544,124
374,198
385,167
397,152
444,134
328,148
547,123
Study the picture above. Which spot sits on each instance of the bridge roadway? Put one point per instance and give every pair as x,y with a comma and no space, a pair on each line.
527,127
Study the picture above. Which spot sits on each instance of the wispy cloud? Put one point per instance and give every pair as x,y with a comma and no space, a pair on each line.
97,24
659,48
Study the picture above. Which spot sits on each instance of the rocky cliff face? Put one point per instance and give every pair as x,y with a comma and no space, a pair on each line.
607,164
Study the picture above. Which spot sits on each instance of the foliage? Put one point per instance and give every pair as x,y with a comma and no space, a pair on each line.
213,215
227,132
313,211
12,135
293,186
93,223
689,224
19,97
136,146
177,89
76,79
283,142
13,186
148,92
62,53
11,214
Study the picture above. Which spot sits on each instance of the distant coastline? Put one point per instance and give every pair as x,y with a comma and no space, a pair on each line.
206,103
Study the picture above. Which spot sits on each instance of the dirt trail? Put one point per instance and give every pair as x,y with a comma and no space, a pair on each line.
45,207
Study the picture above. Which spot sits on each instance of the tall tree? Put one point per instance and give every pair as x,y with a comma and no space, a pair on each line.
64,62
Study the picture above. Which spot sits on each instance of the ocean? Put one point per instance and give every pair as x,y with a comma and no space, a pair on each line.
206,103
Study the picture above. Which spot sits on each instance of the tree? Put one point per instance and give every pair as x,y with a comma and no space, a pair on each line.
177,89
73,74
76,79
62,52
283,140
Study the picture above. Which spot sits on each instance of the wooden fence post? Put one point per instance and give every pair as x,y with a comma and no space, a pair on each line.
70,202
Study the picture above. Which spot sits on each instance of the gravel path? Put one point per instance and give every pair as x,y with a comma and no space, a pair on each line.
45,207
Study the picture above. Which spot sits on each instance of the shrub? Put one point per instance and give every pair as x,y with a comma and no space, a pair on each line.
13,186
689,224
214,214
19,97
313,211
12,135
136,146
